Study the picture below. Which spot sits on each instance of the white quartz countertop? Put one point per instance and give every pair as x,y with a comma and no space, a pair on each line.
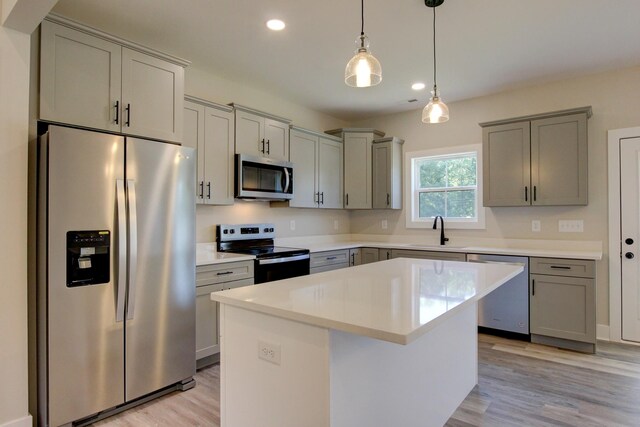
206,254
397,300
521,251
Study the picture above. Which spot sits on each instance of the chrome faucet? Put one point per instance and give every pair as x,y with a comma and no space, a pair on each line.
435,224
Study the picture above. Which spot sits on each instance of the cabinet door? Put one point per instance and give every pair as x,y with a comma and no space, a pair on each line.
152,96
357,171
563,307
193,136
381,191
559,160
206,322
80,80
276,135
506,165
369,255
218,156
355,257
303,148
330,173
250,134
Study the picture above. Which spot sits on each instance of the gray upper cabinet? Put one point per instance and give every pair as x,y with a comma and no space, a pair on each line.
536,160
91,79
209,128
261,134
317,160
387,173
357,165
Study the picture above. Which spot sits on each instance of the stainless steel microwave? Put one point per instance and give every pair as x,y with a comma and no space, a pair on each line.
260,178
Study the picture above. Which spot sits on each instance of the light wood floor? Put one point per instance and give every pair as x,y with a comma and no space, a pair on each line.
520,384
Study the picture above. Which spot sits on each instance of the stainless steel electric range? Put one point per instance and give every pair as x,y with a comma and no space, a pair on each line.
272,262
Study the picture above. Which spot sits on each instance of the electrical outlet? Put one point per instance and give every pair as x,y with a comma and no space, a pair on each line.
384,224
292,224
571,226
535,225
336,224
269,352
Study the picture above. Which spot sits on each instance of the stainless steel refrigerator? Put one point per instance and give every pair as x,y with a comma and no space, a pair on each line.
115,272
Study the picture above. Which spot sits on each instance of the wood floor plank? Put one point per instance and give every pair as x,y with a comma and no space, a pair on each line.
520,385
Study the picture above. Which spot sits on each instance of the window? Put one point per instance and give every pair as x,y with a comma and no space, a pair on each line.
445,182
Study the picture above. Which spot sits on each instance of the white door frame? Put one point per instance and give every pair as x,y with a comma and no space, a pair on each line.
615,266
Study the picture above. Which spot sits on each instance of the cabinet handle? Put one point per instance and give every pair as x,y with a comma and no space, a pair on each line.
316,198
262,150
347,197
388,200
560,267
331,258
388,254
533,287
128,122
353,259
268,146
322,198
534,193
202,189
224,273
209,190
117,107
526,194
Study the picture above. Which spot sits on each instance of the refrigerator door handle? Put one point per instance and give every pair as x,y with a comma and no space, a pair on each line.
122,250
133,246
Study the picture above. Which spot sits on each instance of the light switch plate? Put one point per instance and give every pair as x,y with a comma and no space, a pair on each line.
336,224
384,224
570,226
292,224
535,225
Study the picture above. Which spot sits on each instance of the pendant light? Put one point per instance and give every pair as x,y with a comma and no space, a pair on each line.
364,69
436,110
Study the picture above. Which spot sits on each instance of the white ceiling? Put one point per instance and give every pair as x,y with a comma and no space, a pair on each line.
483,46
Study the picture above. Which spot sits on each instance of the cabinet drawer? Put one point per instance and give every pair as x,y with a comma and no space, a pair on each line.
321,259
331,267
563,267
220,273
446,256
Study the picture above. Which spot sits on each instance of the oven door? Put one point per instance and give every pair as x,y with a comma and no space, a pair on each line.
261,178
270,269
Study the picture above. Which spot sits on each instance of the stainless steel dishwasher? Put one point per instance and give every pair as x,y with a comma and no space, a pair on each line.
507,308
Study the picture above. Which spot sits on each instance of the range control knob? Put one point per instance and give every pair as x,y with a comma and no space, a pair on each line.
271,230
628,241
266,230
629,255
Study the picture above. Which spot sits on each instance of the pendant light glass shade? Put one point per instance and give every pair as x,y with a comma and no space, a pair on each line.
436,110
364,69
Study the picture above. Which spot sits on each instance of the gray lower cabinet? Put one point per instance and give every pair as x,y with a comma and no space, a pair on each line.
446,256
214,278
369,255
537,160
355,257
384,254
562,303
329,260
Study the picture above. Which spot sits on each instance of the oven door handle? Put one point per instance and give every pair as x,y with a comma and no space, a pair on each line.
284,259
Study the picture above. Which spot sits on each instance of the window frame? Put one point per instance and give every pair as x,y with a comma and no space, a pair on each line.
412,193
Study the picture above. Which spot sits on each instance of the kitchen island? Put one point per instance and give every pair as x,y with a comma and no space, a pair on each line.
388,343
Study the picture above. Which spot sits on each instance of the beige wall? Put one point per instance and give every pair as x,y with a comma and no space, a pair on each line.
615,100
14,107
308,221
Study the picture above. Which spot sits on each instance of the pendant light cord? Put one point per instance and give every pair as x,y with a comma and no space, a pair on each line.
434,48
362,11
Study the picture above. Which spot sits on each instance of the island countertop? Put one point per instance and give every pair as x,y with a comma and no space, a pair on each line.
397,300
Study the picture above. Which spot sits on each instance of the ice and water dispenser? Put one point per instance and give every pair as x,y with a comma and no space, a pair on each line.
88,257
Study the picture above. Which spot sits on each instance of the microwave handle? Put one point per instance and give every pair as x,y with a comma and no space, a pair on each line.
287,181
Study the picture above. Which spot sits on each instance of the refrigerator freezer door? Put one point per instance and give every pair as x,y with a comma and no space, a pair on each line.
85,343
160,326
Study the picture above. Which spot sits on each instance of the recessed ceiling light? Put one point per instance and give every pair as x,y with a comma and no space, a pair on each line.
275,24
418,86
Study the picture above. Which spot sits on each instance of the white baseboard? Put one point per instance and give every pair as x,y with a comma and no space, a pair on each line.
602,332
20,422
